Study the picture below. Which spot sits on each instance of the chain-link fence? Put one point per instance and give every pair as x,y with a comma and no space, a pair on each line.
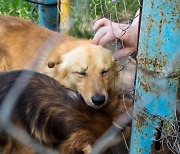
83,14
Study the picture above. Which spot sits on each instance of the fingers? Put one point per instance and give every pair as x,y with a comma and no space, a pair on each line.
100,22
119,54
124,52
106,39
102,31
103,36
133,60
99,35
110,31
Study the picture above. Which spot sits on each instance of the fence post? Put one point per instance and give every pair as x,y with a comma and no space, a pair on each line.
48,14
64,16
157,75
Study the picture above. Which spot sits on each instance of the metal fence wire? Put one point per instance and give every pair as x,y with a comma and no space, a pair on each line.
83,14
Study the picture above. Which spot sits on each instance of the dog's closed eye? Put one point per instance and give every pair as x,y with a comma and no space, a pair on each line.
104,72
81,74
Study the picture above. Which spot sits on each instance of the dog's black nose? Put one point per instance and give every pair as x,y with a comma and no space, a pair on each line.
98,99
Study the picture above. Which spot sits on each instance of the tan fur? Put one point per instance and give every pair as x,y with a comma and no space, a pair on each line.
20,42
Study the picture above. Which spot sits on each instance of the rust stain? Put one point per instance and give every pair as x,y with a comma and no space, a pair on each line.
162,14
150,24
140,119
167,127
43,10
138,150
152,6
177,23
160,26
145,86
158,63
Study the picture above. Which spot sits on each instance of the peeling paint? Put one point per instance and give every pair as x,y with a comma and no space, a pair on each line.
157,74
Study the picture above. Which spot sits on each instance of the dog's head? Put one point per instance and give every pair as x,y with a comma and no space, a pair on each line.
88,69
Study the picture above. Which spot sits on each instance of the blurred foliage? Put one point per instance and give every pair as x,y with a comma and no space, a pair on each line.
18,8
83,12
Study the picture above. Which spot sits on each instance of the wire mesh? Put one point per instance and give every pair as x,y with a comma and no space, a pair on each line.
83,15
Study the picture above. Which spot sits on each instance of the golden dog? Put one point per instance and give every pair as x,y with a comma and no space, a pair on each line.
75,63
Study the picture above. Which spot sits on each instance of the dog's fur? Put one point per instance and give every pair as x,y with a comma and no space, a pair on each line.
55,116
75,63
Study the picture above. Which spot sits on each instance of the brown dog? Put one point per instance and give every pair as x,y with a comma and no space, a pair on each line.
77,64
55,116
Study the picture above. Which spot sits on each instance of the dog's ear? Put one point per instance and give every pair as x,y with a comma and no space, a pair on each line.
53,60
51,64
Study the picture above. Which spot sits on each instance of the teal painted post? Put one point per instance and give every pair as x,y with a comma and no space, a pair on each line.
48,14
157,74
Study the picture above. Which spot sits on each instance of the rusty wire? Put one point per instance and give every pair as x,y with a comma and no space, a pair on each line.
172,140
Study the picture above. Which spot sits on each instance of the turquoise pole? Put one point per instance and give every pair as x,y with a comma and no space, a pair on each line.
157,75
48,14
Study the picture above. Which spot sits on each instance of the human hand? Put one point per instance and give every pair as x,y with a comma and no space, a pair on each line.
109,31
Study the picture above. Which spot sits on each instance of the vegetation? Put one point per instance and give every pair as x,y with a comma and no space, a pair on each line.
83,12
86,12
18,8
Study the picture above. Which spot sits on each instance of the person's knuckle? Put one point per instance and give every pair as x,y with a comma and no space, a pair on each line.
105,19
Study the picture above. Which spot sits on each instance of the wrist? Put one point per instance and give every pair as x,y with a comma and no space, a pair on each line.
136,19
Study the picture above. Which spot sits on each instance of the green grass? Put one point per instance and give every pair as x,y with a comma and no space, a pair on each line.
18,8
83,13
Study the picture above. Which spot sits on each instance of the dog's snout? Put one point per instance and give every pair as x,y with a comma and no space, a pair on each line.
98,99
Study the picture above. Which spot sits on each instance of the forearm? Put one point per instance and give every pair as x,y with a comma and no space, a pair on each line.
136,18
